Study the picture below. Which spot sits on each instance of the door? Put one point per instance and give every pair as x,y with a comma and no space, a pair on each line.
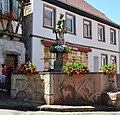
12,59
96,64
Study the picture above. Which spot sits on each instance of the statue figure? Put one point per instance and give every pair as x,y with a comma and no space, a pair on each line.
60,28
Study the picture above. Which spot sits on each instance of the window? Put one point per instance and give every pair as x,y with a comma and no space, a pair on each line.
15,8
112,36
86,28
103,59
101,33
4,6
48,16
1,6
70,23
113,60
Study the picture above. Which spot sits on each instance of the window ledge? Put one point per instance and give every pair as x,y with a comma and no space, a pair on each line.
47,27
71,33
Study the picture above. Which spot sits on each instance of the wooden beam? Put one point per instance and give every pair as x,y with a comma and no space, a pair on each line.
26,1
11,34
19,19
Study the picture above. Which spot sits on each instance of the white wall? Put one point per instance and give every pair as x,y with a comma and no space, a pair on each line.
37,53
39,30
98,52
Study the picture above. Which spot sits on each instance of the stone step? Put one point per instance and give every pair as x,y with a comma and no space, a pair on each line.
15,104
38,106
62,108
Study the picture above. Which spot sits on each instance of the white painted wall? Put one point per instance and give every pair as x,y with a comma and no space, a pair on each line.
39,30
37,53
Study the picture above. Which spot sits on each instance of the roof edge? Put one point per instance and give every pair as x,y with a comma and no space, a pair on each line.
82,12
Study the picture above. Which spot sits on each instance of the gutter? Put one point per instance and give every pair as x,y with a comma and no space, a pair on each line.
78,11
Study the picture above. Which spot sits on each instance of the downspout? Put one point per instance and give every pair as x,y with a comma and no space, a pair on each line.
119,48
23,6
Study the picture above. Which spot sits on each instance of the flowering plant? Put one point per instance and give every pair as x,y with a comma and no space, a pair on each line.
76,68
7,15
27,68
109,69
59,48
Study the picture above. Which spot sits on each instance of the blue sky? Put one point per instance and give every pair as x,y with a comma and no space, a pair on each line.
111,8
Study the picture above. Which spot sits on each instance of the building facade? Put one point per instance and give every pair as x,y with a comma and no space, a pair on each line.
12,49
92,37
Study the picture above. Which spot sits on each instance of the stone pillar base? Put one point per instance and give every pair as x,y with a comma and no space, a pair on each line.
111,99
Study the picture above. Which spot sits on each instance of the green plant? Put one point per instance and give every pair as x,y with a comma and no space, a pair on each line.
76,68
27,68
109,69
59,48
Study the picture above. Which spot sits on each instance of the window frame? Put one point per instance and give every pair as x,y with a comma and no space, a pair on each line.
3,11
73,27
113,31
15,14
53,18
89,28
103,33
106,57
115,57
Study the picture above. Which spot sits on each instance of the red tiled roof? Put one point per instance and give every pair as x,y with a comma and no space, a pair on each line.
81,4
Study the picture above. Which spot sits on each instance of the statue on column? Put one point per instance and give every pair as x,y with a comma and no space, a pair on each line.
60,28
59,48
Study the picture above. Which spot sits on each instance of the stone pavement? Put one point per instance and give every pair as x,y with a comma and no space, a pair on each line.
63,108
35,106
19,105
14,112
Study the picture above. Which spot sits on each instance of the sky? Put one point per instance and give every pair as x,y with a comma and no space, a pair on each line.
111,8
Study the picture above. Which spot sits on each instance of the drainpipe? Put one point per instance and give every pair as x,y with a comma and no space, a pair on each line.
23,6
119,47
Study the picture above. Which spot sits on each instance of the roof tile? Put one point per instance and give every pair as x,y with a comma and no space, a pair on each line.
81,4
